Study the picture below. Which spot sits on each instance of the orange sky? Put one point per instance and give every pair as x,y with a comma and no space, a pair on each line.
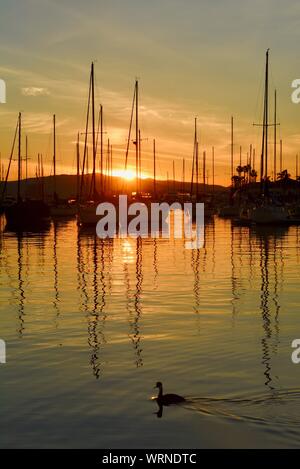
192,58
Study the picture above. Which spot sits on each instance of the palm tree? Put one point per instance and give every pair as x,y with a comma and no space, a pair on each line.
283,176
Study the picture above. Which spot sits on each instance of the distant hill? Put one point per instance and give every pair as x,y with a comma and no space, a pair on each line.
66,186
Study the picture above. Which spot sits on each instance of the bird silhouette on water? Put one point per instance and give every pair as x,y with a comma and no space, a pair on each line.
166,399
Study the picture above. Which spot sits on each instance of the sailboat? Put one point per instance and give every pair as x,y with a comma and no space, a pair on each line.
266,210
137,194
59,208
28,213
87,210
6,200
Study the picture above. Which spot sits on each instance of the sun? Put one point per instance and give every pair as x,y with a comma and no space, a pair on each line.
127,174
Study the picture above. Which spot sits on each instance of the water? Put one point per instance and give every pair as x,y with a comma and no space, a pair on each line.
91,325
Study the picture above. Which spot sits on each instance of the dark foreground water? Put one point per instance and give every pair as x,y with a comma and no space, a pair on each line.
91,325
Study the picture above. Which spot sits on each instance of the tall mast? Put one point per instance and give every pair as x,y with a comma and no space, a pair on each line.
137,135
87,163
197,166
107,166
173,176
154,168
101,148
280,155
78,168
26,159
111,163
85,152
275,133
194,154
19,159
266,114
42,177
204,170
231,149
54,154
197,156
93,132
263,162
213,169
140,160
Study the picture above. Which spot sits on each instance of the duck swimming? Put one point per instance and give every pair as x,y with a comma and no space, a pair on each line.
167,399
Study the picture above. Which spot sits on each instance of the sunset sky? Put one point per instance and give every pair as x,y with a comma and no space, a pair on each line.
199,58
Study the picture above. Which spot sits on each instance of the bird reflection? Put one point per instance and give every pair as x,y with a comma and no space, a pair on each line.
159,413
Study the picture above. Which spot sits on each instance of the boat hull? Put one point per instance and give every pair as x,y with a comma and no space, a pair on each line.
229,211
87,217
27,214
268,214
63,211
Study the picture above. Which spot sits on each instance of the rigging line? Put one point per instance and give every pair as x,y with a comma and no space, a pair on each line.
130,126
96,145
258,108
194,154
9,164
98,128
85,139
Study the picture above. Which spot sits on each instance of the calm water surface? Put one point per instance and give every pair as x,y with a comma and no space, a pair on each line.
91,325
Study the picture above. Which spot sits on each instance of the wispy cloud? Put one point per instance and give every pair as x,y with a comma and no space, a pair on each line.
35,91
212,69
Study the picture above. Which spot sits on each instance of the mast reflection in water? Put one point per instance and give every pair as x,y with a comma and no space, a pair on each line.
91,324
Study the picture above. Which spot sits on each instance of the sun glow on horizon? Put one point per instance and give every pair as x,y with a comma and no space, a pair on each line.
128,174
